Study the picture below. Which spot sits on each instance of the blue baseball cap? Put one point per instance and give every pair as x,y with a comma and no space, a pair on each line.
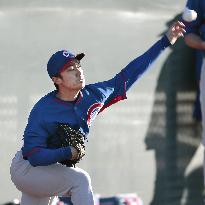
60,61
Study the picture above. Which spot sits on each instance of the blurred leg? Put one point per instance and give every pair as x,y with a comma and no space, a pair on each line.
202,100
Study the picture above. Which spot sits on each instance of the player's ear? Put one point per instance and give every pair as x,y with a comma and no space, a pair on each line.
56,80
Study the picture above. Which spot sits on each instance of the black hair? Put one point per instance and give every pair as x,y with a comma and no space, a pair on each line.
57,88
57,76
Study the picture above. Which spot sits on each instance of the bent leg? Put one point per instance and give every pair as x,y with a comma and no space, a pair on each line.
31,200
82,194
53,180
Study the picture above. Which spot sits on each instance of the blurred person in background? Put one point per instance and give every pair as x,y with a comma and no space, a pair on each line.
195,38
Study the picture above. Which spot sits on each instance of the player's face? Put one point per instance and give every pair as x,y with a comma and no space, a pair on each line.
72,77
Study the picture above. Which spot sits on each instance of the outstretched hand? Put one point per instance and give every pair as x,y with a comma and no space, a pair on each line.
175,31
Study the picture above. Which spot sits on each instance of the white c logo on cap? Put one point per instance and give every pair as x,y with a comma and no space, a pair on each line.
66,54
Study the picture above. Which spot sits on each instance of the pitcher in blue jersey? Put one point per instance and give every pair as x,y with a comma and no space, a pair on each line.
35,169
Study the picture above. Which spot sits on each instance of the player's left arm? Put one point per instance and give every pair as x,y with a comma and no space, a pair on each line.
138,66
115,89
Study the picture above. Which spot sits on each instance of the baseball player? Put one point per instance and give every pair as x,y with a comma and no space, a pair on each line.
195,38
35,170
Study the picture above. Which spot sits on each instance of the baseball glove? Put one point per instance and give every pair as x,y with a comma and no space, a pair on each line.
67,136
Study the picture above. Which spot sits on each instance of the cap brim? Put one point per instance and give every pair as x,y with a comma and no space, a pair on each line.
79,56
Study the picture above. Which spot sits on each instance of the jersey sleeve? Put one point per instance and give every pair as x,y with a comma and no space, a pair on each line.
115,89
35,147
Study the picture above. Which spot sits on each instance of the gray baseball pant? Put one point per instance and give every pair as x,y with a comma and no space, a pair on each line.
39,184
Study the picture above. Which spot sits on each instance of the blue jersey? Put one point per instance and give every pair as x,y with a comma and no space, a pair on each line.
92,100
197,26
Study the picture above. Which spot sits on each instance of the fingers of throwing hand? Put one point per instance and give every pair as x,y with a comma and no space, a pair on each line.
178,29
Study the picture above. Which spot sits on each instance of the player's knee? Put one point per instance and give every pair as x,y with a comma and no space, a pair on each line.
84,178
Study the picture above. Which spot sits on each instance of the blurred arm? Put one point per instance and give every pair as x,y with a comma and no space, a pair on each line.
194,41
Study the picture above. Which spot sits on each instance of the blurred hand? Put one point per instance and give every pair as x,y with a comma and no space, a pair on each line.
175,31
